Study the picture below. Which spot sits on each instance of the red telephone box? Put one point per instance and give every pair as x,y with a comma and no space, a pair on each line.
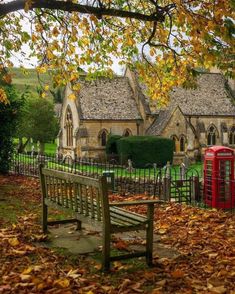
219,185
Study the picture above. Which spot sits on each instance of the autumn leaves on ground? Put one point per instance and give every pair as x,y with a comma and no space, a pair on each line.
204,239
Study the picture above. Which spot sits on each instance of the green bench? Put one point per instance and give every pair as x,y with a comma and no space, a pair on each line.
88,199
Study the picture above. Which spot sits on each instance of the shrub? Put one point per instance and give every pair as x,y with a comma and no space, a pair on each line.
111,146
8,120
145,149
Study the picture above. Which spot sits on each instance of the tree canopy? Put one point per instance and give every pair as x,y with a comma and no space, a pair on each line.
168,39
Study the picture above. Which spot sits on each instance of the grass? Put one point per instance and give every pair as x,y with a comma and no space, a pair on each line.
137,173
18,203
23,78
12,206
50,148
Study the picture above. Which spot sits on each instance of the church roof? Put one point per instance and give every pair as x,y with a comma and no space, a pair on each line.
210,98
104,98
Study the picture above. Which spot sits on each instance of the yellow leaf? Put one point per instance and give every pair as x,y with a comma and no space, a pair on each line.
27,270
63,283
72,96
13,242
162,231
50,55
3,97
76,87
46,87
41,69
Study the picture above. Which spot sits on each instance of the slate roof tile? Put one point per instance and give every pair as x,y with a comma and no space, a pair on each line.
105,98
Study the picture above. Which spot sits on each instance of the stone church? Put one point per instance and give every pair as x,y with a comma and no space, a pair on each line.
194,118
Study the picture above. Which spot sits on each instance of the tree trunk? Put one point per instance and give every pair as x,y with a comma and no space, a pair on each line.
41,148
22,145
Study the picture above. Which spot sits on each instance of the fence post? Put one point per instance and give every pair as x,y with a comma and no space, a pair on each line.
195,189
182,171
166,193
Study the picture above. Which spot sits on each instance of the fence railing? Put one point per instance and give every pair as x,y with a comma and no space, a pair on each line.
177,184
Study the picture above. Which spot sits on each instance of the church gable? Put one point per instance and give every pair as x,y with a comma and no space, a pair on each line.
169,122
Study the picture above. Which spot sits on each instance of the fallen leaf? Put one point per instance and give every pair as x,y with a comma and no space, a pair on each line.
162,231
63,283
177,274
213,255
124,285
25,278
19,252
13,242
121,245
219,289
73,274
161,282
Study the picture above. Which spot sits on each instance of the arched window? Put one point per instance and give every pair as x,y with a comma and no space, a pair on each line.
211,135
232,136
182,144
69,127
175,139
127,133
103,135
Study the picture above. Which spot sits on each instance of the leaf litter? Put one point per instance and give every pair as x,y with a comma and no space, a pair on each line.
204,238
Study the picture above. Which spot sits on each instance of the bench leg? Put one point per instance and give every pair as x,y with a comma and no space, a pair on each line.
149,236
106,251
44,217
79,225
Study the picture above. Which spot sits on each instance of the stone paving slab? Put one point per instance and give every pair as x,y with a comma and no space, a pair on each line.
89,241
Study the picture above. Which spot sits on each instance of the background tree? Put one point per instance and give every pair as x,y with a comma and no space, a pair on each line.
8,120
38,121
172,36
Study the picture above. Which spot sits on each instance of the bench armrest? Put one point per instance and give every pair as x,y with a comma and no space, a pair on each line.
140,202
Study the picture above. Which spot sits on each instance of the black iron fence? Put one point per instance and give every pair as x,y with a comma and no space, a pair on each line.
177,184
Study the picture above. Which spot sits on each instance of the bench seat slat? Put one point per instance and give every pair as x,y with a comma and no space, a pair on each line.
128,214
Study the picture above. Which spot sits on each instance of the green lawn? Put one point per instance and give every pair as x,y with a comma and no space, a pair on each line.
89,169
50,148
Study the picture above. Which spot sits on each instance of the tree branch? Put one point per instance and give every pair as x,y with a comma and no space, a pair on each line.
6,8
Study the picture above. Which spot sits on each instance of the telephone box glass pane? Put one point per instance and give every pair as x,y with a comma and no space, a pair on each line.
208,180
224,181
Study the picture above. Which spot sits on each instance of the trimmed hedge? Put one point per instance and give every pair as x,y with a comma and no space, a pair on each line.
111,146
145,149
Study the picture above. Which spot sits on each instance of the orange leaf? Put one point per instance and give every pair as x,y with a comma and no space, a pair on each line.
177,274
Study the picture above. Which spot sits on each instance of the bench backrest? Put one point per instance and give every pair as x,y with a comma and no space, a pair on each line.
81,194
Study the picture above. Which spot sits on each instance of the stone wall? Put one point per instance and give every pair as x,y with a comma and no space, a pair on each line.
91,146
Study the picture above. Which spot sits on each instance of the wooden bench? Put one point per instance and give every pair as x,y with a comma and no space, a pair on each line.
88,199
